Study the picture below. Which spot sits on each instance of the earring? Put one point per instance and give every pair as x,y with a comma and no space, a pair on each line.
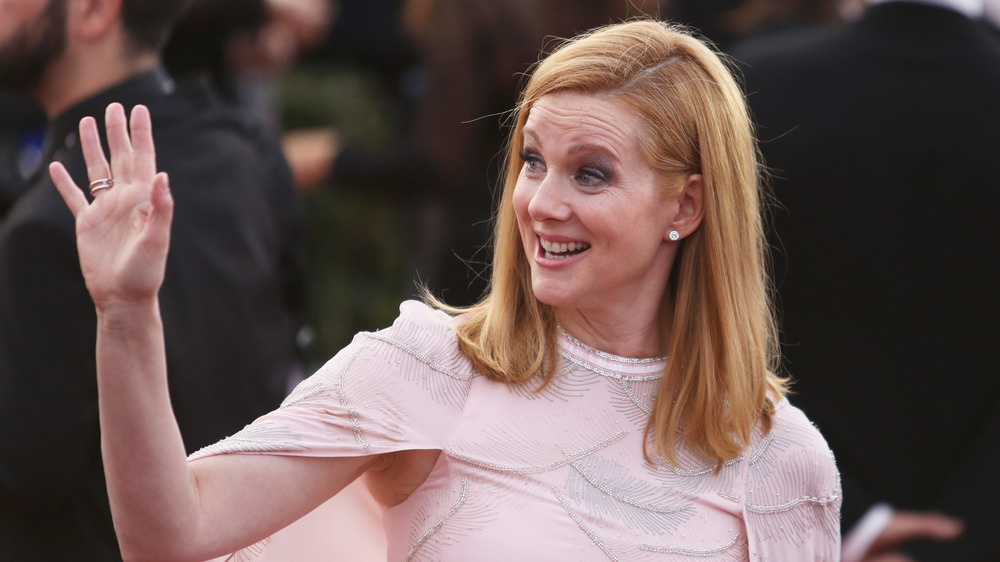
674,235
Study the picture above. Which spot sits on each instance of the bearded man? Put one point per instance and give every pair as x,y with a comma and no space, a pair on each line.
227,303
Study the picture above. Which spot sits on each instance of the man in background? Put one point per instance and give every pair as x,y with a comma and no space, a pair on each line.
227,300
883,139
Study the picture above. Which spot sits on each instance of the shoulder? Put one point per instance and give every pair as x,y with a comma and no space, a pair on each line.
419,352
403,387
194,117
793,423
793,495
427,335
794,442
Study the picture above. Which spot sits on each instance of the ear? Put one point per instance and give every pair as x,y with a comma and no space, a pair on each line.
690,208
91,20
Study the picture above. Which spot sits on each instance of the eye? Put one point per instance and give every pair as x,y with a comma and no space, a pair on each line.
591,177
533,163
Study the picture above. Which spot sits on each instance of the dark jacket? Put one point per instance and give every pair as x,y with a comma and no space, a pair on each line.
883,139
226,303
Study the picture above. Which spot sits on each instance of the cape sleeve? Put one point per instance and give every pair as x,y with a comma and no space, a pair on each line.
402,388
792,493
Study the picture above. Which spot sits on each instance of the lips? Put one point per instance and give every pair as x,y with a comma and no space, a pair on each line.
561,250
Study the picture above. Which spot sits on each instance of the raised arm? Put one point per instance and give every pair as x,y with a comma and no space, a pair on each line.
163,507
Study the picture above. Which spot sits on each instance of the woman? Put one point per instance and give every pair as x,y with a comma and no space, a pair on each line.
544,422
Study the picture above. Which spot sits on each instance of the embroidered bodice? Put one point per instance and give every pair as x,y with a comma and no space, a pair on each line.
552,475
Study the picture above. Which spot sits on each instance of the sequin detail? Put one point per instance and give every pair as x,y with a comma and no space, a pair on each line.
249,553
437,526
583,526
355,417
730,497
788,506
759,451
303,394
690,551
420,356
608,356
699,471
607,373
259,437
626,499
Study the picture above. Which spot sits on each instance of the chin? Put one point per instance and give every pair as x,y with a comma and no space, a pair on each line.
551,293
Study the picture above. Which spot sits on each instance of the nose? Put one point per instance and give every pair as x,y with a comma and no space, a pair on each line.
549,201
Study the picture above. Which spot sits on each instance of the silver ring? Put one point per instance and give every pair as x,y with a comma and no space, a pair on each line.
98,185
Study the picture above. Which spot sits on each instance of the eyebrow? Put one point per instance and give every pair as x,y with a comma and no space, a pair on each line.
596,148
575,148
531,133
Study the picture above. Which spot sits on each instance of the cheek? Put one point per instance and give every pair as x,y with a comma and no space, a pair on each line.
520,200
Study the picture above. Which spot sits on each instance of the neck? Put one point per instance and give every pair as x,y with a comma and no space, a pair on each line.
75,77
638,335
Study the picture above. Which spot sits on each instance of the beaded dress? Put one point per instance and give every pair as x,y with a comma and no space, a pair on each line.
552,475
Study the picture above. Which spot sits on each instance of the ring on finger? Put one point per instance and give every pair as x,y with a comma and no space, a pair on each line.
101,184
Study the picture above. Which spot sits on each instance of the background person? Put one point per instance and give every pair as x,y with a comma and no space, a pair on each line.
229,323
882,137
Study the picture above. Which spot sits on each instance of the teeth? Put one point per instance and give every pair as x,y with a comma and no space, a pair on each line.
553,250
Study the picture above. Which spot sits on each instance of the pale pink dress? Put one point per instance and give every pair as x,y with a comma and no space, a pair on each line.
556,475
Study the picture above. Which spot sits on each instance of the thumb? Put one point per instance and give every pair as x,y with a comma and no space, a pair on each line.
163,206
71,194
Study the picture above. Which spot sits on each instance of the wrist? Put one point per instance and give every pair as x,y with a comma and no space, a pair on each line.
120,315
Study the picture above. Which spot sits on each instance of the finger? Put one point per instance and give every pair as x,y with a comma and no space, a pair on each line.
163,210
909,525
163,201
71,193
93,153
141,125
933,526
118,142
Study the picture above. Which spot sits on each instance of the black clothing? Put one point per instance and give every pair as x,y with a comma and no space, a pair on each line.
21,124
883,138
199,42
226,306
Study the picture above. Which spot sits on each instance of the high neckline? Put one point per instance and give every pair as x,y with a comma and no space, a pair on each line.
609,364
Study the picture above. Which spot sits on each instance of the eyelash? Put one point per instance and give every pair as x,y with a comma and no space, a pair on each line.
598,175
601,177
530,158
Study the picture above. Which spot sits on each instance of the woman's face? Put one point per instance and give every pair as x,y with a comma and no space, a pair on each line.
591,212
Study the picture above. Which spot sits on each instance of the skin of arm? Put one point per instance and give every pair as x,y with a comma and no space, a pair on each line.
164,507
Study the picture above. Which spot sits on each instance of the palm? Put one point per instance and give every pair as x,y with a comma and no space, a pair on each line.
123,236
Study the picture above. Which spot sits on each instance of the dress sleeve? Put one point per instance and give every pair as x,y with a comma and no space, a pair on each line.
402,388
792,492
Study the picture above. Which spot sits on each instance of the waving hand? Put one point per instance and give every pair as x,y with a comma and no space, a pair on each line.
124,234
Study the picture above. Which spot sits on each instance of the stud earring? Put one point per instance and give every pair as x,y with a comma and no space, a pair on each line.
674,235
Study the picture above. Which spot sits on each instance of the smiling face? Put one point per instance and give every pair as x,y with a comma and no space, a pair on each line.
592,213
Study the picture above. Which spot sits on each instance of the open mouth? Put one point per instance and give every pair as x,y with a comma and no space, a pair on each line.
561,251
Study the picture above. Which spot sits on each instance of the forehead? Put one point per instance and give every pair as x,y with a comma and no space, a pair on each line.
574,117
